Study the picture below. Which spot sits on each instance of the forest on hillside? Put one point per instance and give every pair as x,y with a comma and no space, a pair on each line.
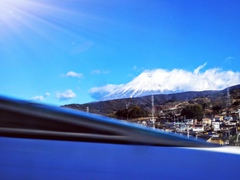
209,101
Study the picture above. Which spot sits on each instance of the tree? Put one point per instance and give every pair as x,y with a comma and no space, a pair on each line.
170,116
217,108
131,112
122,113
136,112
205,106
236,103
193,112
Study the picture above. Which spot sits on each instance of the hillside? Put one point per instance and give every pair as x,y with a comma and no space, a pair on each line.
216,98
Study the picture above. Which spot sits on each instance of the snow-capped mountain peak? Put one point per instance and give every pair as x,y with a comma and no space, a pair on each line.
161,81
148,82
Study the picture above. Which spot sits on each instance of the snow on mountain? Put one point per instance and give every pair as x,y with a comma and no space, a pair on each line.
149,82
161,81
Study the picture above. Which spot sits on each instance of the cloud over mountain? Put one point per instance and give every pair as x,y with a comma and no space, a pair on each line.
164,81
99,92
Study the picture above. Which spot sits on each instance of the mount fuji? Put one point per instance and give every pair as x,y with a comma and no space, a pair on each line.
161,81
147,83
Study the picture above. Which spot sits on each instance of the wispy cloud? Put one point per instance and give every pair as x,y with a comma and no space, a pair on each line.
99,72
68,94
47,94
196,71
229,59
73,74
40,97
99,92
175,80
135,68
81,47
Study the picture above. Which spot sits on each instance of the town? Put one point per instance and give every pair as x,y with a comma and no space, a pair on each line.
219,127
209,115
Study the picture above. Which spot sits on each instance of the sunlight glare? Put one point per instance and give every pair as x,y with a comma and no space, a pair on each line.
19,18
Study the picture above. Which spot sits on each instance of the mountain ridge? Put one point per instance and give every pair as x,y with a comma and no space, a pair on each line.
111,106
145,84
160,81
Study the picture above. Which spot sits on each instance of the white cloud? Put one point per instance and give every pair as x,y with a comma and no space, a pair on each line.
47,94
99,92
96,72
99,72
174,80
41,97
196,71
38,98
107,88
73,74
68,94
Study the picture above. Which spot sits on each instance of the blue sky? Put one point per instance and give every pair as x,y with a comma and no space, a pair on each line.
56,51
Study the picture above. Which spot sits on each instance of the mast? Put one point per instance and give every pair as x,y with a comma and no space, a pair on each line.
153,111
228,98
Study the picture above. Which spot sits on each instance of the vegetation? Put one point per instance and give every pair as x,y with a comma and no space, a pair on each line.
236,103
217,108
193,112
131,112
210,102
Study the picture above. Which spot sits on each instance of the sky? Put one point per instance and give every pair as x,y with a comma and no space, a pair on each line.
62,52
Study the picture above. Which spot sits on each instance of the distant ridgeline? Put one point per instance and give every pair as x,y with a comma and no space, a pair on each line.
216,97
